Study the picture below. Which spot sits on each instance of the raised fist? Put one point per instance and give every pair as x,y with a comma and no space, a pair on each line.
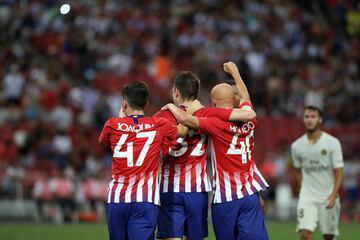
230,67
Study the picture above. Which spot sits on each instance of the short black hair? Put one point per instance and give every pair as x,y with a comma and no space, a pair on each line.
136,94
188,85
314,108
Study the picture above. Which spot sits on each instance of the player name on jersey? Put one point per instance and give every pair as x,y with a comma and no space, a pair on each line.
133,128
245,128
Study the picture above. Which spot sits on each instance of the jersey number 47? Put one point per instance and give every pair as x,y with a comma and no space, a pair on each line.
128,154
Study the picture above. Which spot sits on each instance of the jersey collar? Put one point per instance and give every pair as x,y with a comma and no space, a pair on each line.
136,117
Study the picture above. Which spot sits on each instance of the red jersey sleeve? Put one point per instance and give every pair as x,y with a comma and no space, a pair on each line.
221,113
210,125
246,105
168,129
104,135
167,115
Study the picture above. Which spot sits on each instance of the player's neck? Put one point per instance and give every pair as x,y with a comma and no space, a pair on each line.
185,103
224,104
134,112
314,136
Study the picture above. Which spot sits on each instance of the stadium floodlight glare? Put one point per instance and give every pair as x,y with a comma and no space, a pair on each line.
65,9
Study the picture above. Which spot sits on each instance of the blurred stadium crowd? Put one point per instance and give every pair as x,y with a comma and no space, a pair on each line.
60,77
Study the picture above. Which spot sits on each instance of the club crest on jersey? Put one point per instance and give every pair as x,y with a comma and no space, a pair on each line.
323,152
245,128
133,128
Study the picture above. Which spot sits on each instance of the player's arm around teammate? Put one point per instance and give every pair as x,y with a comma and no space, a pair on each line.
190,121
243,115
232,165
184,175
184,182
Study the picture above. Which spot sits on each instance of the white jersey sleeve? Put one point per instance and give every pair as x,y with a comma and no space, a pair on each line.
336,155
295,157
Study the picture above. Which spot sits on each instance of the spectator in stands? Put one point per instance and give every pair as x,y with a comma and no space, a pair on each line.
63,189
14,83
61,73
95,191
43,196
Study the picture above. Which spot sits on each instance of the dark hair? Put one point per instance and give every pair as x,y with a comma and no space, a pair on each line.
136,94
314,108
188,85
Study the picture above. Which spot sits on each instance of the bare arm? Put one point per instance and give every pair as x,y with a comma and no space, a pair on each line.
194,106
298,177
338,174
182,116
182,130
190,121
242,115
232,69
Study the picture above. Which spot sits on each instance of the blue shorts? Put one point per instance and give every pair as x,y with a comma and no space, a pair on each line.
239,219
183,214
127,221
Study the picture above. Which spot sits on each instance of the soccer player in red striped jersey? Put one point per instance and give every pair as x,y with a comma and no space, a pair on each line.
236,177
184,180
135,141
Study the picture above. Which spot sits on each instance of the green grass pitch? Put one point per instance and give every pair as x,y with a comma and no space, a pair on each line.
277,231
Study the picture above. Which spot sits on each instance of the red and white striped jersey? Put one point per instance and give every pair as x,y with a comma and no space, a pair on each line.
184,167
234,171
136,143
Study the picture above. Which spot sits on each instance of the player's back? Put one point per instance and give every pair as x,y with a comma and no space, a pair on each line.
184,162
136,144
235,172
184,167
